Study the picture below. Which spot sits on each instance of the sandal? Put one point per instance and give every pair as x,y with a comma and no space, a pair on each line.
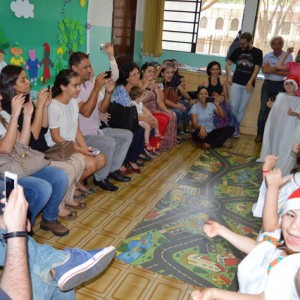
227,144
148,147
79,197
159,136
87,191
205,146
81,205
72,215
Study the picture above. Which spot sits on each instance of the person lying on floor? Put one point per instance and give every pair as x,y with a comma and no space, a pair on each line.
53,273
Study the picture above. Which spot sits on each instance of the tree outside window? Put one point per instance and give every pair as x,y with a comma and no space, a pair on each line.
277,17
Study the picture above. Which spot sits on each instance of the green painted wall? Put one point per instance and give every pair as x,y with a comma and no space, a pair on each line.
99,59
31,33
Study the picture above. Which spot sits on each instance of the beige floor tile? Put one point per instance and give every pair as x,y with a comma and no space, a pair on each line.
165,288
135,284
93,218
134,210
119,225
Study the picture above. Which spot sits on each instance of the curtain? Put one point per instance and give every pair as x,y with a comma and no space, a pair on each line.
153,27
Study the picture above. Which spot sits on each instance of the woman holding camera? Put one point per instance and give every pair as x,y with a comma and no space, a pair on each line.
74,166
44,189
202,115
153,101
129,77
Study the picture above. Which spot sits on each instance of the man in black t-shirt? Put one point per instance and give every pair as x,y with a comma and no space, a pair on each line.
248,61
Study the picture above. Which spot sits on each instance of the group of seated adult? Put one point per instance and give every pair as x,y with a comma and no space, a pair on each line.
76,109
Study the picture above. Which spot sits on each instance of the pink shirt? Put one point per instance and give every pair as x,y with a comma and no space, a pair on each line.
294,69
90,125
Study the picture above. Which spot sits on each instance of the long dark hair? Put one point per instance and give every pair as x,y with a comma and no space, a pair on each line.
144,67
296,167
125,70
8,78
210,65
63,78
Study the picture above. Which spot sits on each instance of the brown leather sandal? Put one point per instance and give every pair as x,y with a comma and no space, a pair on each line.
72,215
81,205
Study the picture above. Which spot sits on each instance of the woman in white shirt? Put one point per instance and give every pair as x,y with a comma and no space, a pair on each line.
63,120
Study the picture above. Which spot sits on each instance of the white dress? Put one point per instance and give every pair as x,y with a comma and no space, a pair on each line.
284,192
281,132
139,107
279,283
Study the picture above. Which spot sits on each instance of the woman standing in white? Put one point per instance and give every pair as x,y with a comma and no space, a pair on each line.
282,127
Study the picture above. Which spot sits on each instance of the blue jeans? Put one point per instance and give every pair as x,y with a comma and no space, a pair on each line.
41,259
239,99
114,144
183,117
44,191
269,89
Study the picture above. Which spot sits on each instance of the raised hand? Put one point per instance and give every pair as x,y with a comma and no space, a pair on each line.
17,104
270,162
275,179
211,228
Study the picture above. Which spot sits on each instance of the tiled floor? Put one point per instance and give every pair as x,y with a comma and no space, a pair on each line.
110,217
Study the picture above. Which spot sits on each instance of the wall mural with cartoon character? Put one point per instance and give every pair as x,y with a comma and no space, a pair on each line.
41,36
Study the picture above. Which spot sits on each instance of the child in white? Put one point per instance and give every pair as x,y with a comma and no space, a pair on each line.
281,188
269,271
136,94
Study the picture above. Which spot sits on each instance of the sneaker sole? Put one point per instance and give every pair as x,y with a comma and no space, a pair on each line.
91,268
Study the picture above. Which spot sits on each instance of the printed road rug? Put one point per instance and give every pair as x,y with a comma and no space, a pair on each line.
221,186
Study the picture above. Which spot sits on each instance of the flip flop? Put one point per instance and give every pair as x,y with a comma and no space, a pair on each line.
81,205
72,215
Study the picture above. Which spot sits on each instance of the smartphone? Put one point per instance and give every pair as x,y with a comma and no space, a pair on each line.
160,86
171,65
108,74
48,88
27,97
96,152
210,99
10,183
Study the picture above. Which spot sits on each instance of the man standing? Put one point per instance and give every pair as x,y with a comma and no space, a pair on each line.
93,100
273,83
248,60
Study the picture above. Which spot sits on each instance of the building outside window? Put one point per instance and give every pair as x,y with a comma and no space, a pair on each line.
207,26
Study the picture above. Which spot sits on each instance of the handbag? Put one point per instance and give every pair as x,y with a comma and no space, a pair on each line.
23,161
61,151
125,117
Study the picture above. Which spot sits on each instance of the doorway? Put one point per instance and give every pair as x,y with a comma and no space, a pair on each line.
123,29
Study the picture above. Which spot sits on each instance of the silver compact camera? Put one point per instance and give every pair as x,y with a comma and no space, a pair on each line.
103,45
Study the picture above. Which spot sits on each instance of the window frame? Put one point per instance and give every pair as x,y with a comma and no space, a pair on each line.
196,24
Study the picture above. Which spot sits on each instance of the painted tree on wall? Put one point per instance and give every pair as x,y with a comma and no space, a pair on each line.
4,43
70,37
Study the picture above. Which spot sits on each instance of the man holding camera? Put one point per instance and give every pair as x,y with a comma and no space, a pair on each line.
94,101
